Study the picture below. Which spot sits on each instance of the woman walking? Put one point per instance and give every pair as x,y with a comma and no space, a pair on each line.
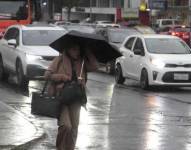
62,70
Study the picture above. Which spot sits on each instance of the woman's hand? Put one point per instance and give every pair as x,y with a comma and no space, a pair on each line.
60,77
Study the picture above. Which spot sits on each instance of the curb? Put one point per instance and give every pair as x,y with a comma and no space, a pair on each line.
38,135
30,143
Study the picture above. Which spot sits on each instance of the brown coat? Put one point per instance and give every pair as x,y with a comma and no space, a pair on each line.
61,70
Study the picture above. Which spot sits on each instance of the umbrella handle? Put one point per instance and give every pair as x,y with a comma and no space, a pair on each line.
80,77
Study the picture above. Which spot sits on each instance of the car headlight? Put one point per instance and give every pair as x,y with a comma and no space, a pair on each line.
33,57
158,63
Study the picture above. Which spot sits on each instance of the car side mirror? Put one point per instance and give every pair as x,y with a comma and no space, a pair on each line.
138,52
12,42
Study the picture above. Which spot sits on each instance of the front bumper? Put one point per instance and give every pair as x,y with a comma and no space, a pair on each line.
166,77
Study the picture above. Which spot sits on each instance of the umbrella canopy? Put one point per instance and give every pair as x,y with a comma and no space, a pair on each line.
102,50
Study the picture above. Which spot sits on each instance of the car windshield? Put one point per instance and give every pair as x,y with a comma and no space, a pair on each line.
13,9
166,46
167,22
186,29
118,36
81,28
40,37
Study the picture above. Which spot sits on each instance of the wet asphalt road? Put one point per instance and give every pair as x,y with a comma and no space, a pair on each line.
119,117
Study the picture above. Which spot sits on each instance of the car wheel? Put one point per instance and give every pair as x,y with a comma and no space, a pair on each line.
112,67
118,75
3,76
144,80
21,79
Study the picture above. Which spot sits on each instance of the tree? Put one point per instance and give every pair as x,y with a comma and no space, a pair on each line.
69,4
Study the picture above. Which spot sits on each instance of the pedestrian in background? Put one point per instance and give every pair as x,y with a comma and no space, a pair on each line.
59,72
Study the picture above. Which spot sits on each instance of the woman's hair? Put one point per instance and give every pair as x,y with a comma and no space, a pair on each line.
71,43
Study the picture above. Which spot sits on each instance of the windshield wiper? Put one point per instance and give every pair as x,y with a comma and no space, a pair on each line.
116,42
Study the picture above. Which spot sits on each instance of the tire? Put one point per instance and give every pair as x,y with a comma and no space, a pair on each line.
112,67
3,75
144,82
118,75
21,79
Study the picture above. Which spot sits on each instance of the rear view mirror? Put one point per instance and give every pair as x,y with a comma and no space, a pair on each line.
12,42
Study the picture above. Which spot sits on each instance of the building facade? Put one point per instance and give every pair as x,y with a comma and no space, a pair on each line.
179,9
129,9
105,9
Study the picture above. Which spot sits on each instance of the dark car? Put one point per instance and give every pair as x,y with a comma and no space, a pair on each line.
116,36
182,32
81,28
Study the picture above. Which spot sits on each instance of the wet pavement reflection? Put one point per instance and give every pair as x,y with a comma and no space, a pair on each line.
122,117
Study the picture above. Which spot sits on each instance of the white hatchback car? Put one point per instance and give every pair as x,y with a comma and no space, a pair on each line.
25,51
154,60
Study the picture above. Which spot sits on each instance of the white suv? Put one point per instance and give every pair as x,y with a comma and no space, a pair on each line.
154,60
162,23
25,51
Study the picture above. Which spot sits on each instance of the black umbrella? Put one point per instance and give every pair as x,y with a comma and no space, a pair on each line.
102,50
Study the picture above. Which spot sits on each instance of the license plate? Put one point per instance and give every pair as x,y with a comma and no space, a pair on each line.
178,76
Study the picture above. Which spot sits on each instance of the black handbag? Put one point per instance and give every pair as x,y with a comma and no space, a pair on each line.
45,105
73,92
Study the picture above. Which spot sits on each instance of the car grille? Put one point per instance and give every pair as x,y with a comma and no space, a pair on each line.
176,65
48,58
168,77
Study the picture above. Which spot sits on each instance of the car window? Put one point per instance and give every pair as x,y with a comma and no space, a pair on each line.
167,46
139,45
183,29
11,34
167,22
119,35
129,43
17,36
41,37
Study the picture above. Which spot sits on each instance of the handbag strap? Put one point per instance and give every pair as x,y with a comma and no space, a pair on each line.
57,67
74,75
81,71
44,87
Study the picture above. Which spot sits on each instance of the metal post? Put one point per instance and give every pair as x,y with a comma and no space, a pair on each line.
91,10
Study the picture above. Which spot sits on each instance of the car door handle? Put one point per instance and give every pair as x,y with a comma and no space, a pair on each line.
131,55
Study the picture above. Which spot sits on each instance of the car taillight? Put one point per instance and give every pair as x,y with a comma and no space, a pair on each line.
1,34
173,33
177,34
185,35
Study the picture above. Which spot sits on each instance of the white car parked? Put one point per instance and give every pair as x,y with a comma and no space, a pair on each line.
154,60
25,51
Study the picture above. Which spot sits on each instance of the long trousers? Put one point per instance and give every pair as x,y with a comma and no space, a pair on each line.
68,127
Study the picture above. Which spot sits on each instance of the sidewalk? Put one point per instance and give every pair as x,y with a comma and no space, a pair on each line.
16,131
